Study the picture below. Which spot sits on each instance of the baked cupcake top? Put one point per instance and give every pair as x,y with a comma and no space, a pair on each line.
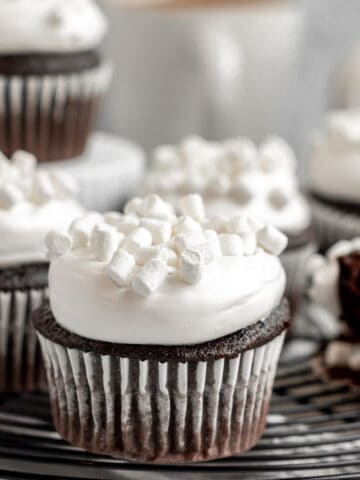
334,288
234,177
56,26
32,201
334,165
150,277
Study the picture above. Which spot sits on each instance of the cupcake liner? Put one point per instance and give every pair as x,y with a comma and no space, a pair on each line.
160,412
50,115
294,261
332,225
21,366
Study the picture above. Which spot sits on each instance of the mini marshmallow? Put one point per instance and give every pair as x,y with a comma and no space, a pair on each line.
140,237
243,191
250,243
239,225
341,248
160,230
213,241
188,240
57,243
10,195
43,187
65,183
231,244
134,206
279,198
24,161
254,224
81,229
154,207
112,218
205,251
104,242
191,265
187,224
193,206
149,278
121,267
272,240
144,254
126,223
337,354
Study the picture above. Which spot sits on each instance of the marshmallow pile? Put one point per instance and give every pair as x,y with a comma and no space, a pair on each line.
231,168
147,243
21,181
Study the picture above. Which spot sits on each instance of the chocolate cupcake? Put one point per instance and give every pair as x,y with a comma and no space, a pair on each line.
334,287
237,178
51,76
162,336
334,179
31,203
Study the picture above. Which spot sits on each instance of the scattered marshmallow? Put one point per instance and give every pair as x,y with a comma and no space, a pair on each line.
206,252
144,254
134,206
112,218
10,195
24,161
121,267
239,225
213,241
160,230
154,207
191,265
187,224
231,244
250,243
149,278
126,223
57,243
104,242
193,206
140,237
272,240
81,229
188,240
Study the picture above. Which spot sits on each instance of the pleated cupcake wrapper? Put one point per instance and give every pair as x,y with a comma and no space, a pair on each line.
160,412
294,263
50,115
332,225
21,365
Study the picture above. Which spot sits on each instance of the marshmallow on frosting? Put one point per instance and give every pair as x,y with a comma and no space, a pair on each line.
55,26
233,176
335,162
149,242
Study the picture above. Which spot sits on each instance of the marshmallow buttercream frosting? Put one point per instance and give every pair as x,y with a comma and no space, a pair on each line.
335,162
32,202
50,26
149,276
234,177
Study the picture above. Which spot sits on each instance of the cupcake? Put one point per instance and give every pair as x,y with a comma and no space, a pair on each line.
32,202
237,178
334,295
51,75
162,336
334,179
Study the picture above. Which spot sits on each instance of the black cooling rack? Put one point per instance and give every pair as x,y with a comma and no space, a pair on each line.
313,432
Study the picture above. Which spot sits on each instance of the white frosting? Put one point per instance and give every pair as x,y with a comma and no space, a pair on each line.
50,26
227,291
234,177
335,163
323,273
32,202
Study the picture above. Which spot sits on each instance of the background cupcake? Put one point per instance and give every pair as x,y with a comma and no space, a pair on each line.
162,336
334,179
334,297
32,202
51,75
237,178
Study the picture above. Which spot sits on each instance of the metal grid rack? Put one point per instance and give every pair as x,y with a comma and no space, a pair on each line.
313,432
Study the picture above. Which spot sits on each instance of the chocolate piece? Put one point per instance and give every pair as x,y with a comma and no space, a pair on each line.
24,277
349,289
229,346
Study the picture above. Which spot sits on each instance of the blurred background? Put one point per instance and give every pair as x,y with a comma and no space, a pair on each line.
229,68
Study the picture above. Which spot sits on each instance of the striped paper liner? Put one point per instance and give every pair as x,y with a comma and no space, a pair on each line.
50,115
160,412
21,365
